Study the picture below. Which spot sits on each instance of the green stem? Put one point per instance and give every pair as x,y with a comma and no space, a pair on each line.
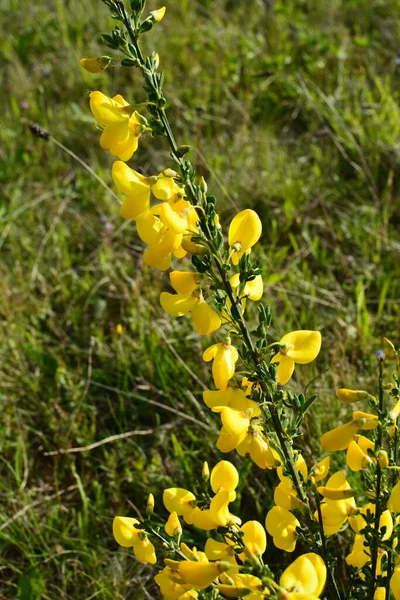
378,504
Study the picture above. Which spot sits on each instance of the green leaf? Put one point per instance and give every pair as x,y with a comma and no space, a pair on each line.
31,585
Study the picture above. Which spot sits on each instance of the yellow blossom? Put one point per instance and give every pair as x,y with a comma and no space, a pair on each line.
299,347
202,574
224,476
335,512
253,289
224,356
357,458
305,577
340,437
350,396
157,15
173,526
205,319
321,469
244,231
122,125
395,583
179,500
254,538
95,65
126,535
394,500
281,524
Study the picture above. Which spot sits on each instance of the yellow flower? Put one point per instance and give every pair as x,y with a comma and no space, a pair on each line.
224,476
395,583
202,574
243,585
122,126
225,356
254,538
157,15
321,469
357,453
128,536
95,65
168,587
253,289
124,531
281,524
335,512
244,231
306,575
205,319
359,522
184,282
173,526
340,437
349,396
394,500
179,500
299,347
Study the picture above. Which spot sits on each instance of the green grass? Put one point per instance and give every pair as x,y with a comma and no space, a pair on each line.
292,110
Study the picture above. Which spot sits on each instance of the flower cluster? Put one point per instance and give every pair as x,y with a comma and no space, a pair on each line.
231,566
221,288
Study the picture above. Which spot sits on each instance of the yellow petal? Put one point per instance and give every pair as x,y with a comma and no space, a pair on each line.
235,422
349,396
106,111
151,258
93,65
245,229
224,476
177,305
303,346
173,526
127,180
301,576
198,574
321,469
179,500
148,227
285,367
184,282
210,352
124,531
254,537
356,458
255,288
145,552
219,510
166,188
205,319
227,442
173,219
394,499
340,437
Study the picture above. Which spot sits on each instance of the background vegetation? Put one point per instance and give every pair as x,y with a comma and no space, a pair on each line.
291,107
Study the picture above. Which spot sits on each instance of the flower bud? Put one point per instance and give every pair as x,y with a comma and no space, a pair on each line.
203,185
383,459
349,396
205,473
150,505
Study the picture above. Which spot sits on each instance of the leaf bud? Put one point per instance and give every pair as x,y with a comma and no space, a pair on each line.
129,62
182,150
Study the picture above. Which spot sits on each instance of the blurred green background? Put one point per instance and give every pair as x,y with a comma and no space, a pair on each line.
290,107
